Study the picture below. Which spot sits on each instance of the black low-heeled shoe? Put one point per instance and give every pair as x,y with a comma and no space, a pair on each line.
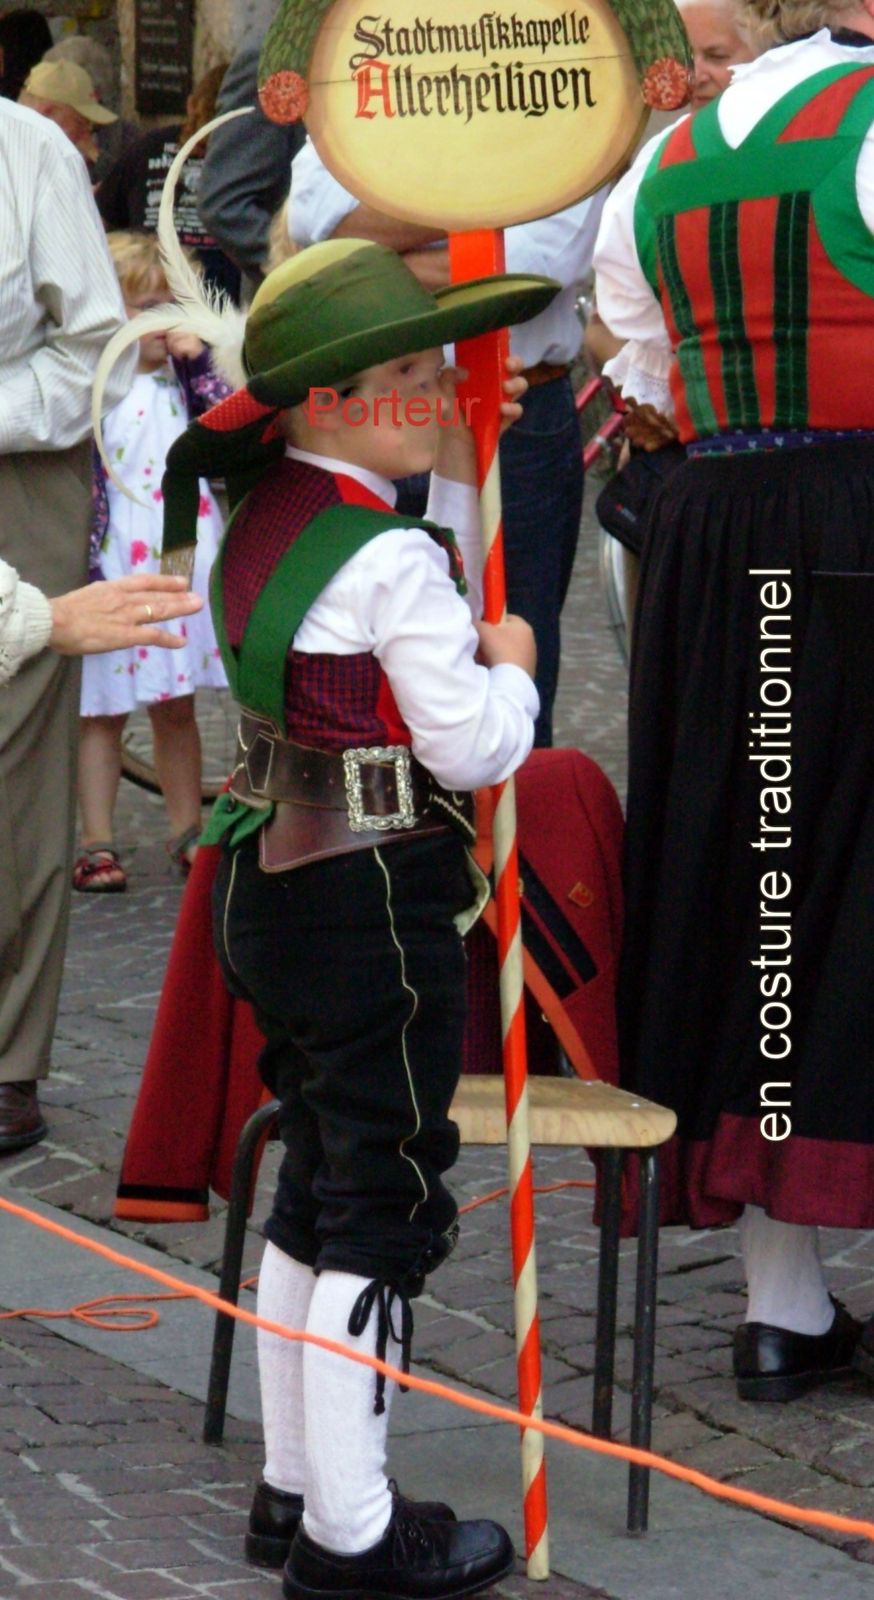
414,1560
775,1364
275,1518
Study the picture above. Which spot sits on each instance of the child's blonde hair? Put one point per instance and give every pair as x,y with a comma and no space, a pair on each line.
138,264
137,261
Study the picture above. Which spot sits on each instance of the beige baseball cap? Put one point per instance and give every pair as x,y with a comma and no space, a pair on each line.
67,85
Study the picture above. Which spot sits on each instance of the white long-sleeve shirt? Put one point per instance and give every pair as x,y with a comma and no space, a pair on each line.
559,247
625,299
25,621
470,725
59,295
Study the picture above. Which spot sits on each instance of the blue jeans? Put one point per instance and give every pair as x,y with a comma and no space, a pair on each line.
542,489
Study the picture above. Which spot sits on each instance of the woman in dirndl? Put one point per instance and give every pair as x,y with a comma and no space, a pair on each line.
737,257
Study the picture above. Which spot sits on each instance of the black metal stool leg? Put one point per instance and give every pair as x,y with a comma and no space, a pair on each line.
232,1265
644,1337
608,1278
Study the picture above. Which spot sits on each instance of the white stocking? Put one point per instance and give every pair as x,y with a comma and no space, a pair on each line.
285,1289
784,1276
348,1503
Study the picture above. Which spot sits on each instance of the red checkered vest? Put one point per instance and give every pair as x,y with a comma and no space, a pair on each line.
331,702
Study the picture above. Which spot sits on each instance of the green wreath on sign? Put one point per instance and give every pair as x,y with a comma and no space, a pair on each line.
656,39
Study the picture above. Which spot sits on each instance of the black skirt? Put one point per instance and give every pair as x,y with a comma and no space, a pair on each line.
746,995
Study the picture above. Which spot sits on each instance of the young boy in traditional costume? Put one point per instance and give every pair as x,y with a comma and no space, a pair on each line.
374,703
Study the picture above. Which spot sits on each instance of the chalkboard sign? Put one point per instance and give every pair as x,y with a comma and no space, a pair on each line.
163,56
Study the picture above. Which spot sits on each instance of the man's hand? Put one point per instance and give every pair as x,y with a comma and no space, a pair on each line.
365,222
509,641
431,267
119,613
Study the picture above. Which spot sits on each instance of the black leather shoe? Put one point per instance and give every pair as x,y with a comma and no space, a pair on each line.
273,1522
414,1560
21,1122
863,1355
275,1517
775,1364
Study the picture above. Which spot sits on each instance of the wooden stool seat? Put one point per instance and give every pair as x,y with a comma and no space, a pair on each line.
575,1111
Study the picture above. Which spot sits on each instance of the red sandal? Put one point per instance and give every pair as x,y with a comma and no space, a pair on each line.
98,870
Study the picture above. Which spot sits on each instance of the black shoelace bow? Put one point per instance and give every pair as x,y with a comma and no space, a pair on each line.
385,1296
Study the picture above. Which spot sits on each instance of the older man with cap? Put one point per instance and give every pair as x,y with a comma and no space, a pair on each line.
59,303
64,92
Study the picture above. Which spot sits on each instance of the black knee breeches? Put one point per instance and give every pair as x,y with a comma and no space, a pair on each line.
356,971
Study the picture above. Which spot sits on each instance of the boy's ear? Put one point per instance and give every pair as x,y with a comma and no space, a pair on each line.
324,421
321,410
315,414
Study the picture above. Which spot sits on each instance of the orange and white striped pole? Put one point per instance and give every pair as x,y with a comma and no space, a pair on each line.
476,255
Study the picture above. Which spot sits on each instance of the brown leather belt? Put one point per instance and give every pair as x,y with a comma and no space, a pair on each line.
545,372
327,803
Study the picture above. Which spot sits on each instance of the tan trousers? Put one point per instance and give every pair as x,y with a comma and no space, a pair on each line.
45,501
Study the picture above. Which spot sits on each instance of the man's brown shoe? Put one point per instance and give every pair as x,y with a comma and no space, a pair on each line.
21,1120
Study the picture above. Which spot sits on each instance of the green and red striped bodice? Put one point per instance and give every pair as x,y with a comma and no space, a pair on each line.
763,263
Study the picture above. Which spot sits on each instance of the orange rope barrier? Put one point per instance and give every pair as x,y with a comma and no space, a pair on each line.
440,1391
113,1313
123,1313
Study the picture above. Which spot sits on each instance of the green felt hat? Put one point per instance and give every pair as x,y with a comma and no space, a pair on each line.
344,305
318,320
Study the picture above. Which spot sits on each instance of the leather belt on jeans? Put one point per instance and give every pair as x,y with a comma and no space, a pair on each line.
330,802
545,372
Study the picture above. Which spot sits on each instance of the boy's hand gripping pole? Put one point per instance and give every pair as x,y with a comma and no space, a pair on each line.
476,255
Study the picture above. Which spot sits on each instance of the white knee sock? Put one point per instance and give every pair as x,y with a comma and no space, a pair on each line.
285,1289
784,1276
348,1503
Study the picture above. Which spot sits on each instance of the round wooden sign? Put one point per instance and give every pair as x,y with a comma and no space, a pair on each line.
458,118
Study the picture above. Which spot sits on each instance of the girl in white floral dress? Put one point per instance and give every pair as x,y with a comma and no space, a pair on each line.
173,383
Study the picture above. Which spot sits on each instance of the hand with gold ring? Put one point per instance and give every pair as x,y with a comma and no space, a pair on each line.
112,615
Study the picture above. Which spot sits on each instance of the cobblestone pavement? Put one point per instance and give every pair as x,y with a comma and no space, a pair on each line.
134,1507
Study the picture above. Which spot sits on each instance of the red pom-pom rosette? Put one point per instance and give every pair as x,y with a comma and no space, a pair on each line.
667,84
284,97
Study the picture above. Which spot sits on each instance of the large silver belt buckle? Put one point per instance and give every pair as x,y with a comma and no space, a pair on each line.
360,821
